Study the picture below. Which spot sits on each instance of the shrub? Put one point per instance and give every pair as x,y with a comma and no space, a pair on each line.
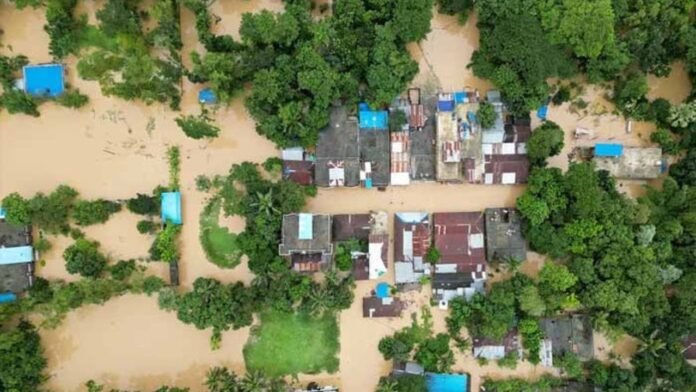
561,96
508,361
203,183
432,256
146,227
166,243
73,99
42,245
198,127
83,257
486,115
17,210
144,204
123,269
88,213
17,101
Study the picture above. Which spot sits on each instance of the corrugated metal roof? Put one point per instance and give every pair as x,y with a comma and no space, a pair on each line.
16,255
305,227
171,207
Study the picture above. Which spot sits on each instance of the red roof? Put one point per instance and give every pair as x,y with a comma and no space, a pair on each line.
416,118
452,235
301,172
421,237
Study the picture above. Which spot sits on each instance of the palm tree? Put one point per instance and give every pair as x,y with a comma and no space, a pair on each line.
264,203
652,345
254,381
219,379
387,385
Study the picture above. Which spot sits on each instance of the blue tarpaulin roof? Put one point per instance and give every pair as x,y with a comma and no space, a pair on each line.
16,255
373,119
207,96
447,382
44,80
608,150
541,112
7,298
2,213
460,97
383,290
171,207
445,106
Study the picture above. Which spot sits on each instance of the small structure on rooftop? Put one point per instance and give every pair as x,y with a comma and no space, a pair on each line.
370,228
43,80
16,260
448,148
298,165
572,333
407,368
381,303
441,382
504,235
338,151
494,350
637,163
400,159
411,242
171,208
374,147
306,241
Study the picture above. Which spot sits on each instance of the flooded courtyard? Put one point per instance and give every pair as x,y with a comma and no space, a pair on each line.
114,149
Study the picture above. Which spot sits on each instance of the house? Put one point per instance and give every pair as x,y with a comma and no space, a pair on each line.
493,350
504,235
306,241
447,286
411,242
171,207
382,303
43,80
448,149
505,161
338,152
571,333
440,382
346,227
636,163
207,97
16,260
298,165
459,237
416,112
407,368
400,159
370,228
374,147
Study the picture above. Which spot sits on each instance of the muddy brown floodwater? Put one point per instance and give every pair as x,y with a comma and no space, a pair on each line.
114,149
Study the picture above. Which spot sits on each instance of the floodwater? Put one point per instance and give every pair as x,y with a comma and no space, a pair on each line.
114,149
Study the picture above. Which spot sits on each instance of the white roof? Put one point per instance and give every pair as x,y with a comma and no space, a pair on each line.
488,178
292,154
489,352
377,267
487,148
546,353
368,167
400,179
397,147
508,149
509,178
407,247
445,268
476,241
403,273
522,148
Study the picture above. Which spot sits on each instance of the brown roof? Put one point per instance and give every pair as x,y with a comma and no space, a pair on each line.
311,262
301,172
499,164
510,341
421,236
350,226
416,118
375,307
452,232
361,268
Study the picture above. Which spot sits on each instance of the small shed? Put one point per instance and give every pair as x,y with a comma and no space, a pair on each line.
207,97
383,290
44,80
372,119
611,150
171,207
440,382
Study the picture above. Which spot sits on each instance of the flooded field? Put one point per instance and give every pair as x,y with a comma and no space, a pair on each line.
114,149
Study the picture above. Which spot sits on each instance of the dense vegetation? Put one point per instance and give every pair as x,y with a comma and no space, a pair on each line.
21,359
299,66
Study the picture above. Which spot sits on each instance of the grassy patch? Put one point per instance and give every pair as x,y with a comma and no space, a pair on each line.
219,244
293,343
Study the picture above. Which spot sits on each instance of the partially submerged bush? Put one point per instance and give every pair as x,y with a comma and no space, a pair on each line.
83,257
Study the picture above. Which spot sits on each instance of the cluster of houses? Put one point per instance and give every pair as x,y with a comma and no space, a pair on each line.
465,241
417,139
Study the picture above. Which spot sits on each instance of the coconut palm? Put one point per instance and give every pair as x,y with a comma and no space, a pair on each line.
254,381
264,203
387,385
652,345
220,379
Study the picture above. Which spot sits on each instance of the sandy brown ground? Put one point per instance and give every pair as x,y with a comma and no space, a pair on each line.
114,149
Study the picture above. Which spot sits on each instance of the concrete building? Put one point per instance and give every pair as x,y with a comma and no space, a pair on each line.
636,163
572,333
504,235
491,349
338,151
16,259
306,241
411,242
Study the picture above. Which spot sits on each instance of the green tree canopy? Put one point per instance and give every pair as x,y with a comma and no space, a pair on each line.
546,141
83,257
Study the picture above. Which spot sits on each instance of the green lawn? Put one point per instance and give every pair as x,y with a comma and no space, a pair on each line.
293,343
219,244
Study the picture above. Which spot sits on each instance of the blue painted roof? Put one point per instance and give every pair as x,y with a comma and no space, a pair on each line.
171,207
2,213
608,150
445,106
373,119
383,290
7,298
16,255
541,112
44,80
207,96
306,227
447,382
460,97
